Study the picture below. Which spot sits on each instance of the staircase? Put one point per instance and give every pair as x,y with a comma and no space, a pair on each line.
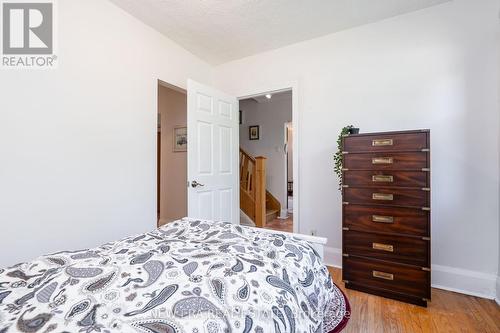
273,207
255,201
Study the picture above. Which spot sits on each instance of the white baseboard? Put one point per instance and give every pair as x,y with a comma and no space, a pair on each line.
444,277
464,281
283,214
332,257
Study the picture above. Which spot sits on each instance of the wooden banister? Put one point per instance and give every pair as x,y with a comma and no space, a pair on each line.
253,187
248,156
260,191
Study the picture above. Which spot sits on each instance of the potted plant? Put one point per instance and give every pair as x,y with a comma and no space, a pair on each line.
339,157
353,130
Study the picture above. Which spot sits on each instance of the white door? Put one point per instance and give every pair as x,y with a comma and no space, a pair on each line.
213,139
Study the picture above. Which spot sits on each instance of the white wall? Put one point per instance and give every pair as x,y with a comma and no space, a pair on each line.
78,144
436,68
172,106
498,273
271,117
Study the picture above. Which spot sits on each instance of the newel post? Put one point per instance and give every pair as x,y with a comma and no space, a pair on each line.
260,191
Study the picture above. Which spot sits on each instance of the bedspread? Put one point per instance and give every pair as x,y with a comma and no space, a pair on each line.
189,276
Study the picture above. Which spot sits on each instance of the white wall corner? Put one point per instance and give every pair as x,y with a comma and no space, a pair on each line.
332,257
497,299
464,281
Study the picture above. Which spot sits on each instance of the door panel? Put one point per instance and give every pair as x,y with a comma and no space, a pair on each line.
212,154
225,146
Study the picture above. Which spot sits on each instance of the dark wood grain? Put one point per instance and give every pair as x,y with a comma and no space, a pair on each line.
400,161
400,141
401,197
407,250
408,280
407,221
386,178
386,214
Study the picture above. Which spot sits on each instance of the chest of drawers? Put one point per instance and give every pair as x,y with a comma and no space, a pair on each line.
386,214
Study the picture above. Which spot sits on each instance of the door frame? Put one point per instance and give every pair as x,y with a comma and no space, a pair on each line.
270,88
159,82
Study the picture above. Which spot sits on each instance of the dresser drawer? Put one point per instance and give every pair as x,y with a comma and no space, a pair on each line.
405,250
386,142
386,161
410,221
387,196
387,276
386,178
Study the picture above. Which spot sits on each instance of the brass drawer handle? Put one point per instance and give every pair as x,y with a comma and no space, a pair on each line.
382,160
382,219
382,178
383,275
382,196
382,142
383,247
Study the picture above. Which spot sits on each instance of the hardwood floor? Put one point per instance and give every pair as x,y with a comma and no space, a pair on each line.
280,224
447,312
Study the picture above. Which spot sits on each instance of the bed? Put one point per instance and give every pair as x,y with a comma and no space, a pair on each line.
189,276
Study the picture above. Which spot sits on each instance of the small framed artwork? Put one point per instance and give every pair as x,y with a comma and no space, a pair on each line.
180,139
241,117
254,132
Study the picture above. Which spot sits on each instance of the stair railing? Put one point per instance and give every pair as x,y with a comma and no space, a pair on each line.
253,187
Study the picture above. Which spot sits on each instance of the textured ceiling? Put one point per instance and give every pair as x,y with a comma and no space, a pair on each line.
222,30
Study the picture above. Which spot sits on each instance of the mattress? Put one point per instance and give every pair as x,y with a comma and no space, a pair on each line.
189,276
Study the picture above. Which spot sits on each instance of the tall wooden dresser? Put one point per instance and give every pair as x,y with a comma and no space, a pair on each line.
386,214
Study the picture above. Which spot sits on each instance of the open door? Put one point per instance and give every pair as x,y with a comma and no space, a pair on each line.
213,136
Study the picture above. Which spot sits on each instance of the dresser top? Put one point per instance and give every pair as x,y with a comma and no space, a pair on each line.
388,133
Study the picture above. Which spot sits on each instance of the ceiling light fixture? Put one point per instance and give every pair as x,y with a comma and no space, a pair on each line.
268,96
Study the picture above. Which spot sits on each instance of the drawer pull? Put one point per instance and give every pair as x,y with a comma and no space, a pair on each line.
382,179
382,142
383,247
382,160
382,196
382,219
383,275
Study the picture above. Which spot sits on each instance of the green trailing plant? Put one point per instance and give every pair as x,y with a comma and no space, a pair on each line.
339,157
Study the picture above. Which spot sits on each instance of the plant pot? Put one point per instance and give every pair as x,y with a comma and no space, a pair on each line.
354,130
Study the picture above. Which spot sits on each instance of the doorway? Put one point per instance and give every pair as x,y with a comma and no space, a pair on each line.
266,132
171,153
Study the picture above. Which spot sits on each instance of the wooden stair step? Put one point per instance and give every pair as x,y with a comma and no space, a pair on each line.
271,214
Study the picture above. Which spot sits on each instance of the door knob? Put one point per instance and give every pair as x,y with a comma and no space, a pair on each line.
194,183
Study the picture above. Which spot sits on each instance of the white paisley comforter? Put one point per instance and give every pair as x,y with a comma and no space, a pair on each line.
188,276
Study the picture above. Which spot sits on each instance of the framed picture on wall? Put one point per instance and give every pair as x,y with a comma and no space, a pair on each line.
254,132
180,139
